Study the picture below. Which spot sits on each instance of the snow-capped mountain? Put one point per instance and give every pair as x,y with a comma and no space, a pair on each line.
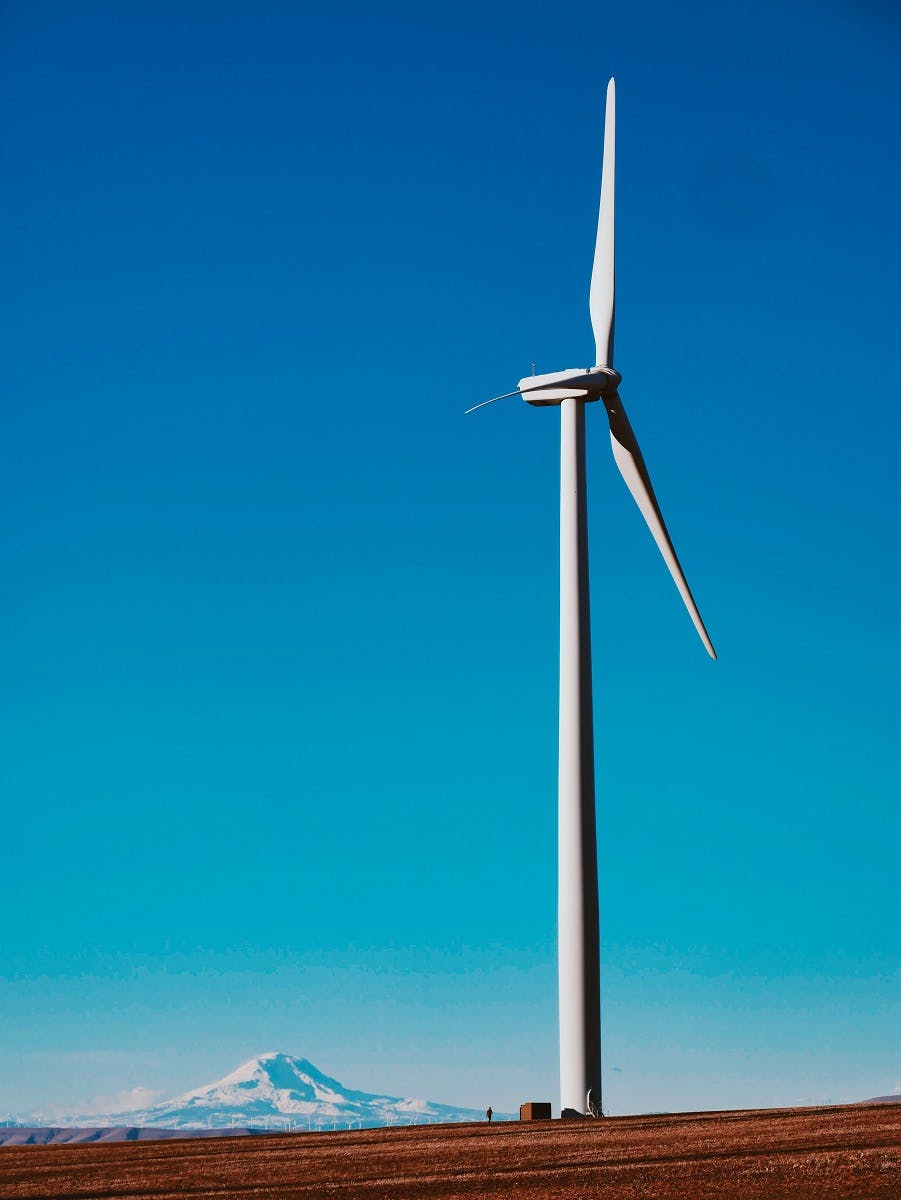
278,1091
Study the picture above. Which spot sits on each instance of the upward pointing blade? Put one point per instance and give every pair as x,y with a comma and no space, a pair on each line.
601,296
633,470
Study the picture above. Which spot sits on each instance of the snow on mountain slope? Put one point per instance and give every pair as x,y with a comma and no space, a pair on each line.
279,1091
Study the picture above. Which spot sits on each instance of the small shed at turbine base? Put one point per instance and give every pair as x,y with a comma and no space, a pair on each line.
535,1111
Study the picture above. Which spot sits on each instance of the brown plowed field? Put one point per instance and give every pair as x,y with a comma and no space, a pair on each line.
843,1153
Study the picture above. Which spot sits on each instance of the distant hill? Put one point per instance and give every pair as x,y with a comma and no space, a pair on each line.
65,1135
894,1098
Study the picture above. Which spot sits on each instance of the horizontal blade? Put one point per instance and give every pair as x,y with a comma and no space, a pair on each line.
633,470
601,297
506,396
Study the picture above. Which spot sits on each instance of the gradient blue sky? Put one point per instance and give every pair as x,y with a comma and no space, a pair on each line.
279,624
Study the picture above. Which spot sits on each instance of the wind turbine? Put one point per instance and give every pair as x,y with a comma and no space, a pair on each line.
577,904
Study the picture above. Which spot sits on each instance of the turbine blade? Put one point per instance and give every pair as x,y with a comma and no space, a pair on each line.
632,467
601,297
506,396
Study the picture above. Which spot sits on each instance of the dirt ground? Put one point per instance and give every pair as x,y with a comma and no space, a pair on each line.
849,1152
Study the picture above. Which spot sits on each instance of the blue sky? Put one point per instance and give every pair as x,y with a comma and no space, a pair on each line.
279,624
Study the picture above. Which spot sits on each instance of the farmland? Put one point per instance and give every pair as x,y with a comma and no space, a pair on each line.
830,1153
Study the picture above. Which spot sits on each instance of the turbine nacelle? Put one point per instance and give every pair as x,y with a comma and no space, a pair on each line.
594,383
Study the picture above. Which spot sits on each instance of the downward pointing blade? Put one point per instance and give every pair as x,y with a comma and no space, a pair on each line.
601,296
633,470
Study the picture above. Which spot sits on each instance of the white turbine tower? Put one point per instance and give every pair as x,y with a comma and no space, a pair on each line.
577,914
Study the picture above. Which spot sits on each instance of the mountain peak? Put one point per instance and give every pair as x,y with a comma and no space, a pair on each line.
292,1093
283,1072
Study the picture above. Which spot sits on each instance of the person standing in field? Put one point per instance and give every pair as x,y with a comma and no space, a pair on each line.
489,1113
